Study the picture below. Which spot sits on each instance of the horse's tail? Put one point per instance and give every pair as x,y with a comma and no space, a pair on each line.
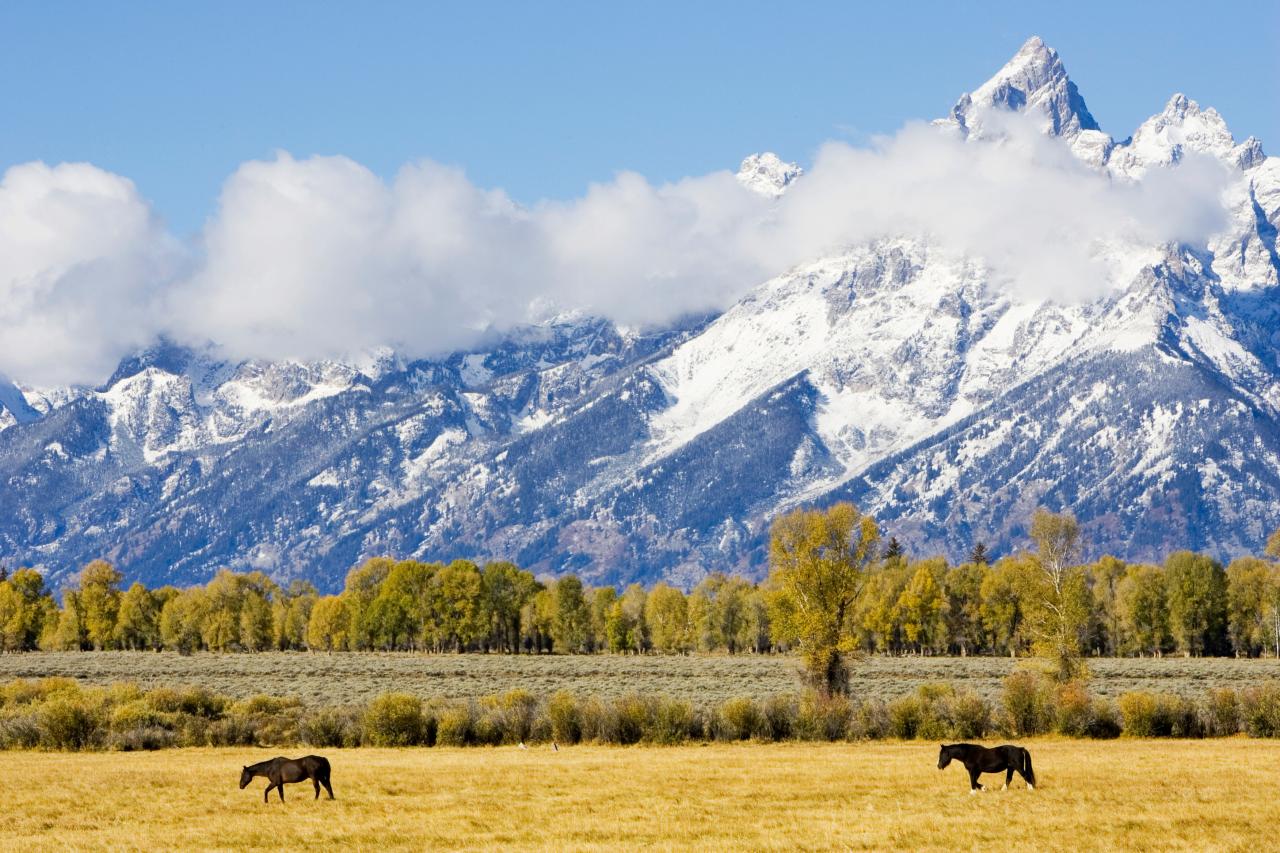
1026,767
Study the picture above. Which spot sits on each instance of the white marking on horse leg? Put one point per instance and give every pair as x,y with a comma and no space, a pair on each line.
973,791
1030,787
1004,787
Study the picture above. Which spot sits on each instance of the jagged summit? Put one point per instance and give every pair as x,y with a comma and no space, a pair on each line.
1182,127
767,174
1034,81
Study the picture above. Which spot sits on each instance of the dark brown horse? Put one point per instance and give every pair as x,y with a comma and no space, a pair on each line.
980,759
281,770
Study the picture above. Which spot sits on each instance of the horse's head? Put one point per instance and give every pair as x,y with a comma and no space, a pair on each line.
944,757
245,777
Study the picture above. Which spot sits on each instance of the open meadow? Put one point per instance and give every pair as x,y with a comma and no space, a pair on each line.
1092,795
354,677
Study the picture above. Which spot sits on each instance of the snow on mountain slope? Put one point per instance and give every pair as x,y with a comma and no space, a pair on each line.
767,175
893,372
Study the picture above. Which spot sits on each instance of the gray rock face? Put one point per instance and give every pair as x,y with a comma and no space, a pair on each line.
891,373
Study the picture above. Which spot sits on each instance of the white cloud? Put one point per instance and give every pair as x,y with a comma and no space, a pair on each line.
81,258
321,258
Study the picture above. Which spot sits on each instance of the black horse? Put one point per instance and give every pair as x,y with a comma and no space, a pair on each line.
980,759
281,770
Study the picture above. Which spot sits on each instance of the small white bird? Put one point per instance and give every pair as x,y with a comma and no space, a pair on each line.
522,746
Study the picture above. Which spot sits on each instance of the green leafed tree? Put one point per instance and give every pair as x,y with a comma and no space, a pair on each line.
1197,590
99,588
138,622
330,627
921,607
507,589
1057,599
667,614
819,564
1142,600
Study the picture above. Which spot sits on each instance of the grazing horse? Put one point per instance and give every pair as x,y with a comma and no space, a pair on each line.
980,759
281,770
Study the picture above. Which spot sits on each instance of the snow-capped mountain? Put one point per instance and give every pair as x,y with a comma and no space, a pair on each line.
889,372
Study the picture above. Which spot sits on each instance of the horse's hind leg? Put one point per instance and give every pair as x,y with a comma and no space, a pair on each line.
316,781
327,786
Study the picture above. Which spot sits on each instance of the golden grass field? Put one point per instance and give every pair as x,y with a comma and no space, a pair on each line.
1092,795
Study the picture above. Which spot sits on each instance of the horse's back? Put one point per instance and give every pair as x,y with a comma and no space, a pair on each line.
316,764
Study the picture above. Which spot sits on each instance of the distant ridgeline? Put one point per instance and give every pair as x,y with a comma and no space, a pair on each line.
1190,604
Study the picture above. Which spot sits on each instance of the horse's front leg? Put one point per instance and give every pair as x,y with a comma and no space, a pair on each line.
974,787
280,788
265,793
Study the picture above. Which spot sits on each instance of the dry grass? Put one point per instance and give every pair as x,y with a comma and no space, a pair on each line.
1129,794
358,677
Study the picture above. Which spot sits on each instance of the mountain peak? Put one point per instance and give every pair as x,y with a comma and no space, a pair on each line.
768,174
1035,82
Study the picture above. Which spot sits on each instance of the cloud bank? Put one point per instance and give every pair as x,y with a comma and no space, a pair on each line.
319,257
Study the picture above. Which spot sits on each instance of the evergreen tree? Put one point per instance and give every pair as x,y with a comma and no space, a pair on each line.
978,556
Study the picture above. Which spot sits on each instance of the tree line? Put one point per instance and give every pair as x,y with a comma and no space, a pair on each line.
834,588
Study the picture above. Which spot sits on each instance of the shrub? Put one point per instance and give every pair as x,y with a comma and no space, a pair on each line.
939,712
328,727
141,738
823,717
632,717
1027,703
869,721
136,715
68,722
670,721
778,718
599,721
1106,720
511,716
393,719
262,705
1158,715
1073,710
905,717
233,730
1222,712
1260,710
968,714
738,719
454,726
196,701
24,691
19,731
565,718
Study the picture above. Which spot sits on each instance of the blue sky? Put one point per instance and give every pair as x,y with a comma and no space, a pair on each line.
543,98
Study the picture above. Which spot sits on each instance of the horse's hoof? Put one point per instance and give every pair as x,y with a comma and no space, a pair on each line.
1004,787
973,791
